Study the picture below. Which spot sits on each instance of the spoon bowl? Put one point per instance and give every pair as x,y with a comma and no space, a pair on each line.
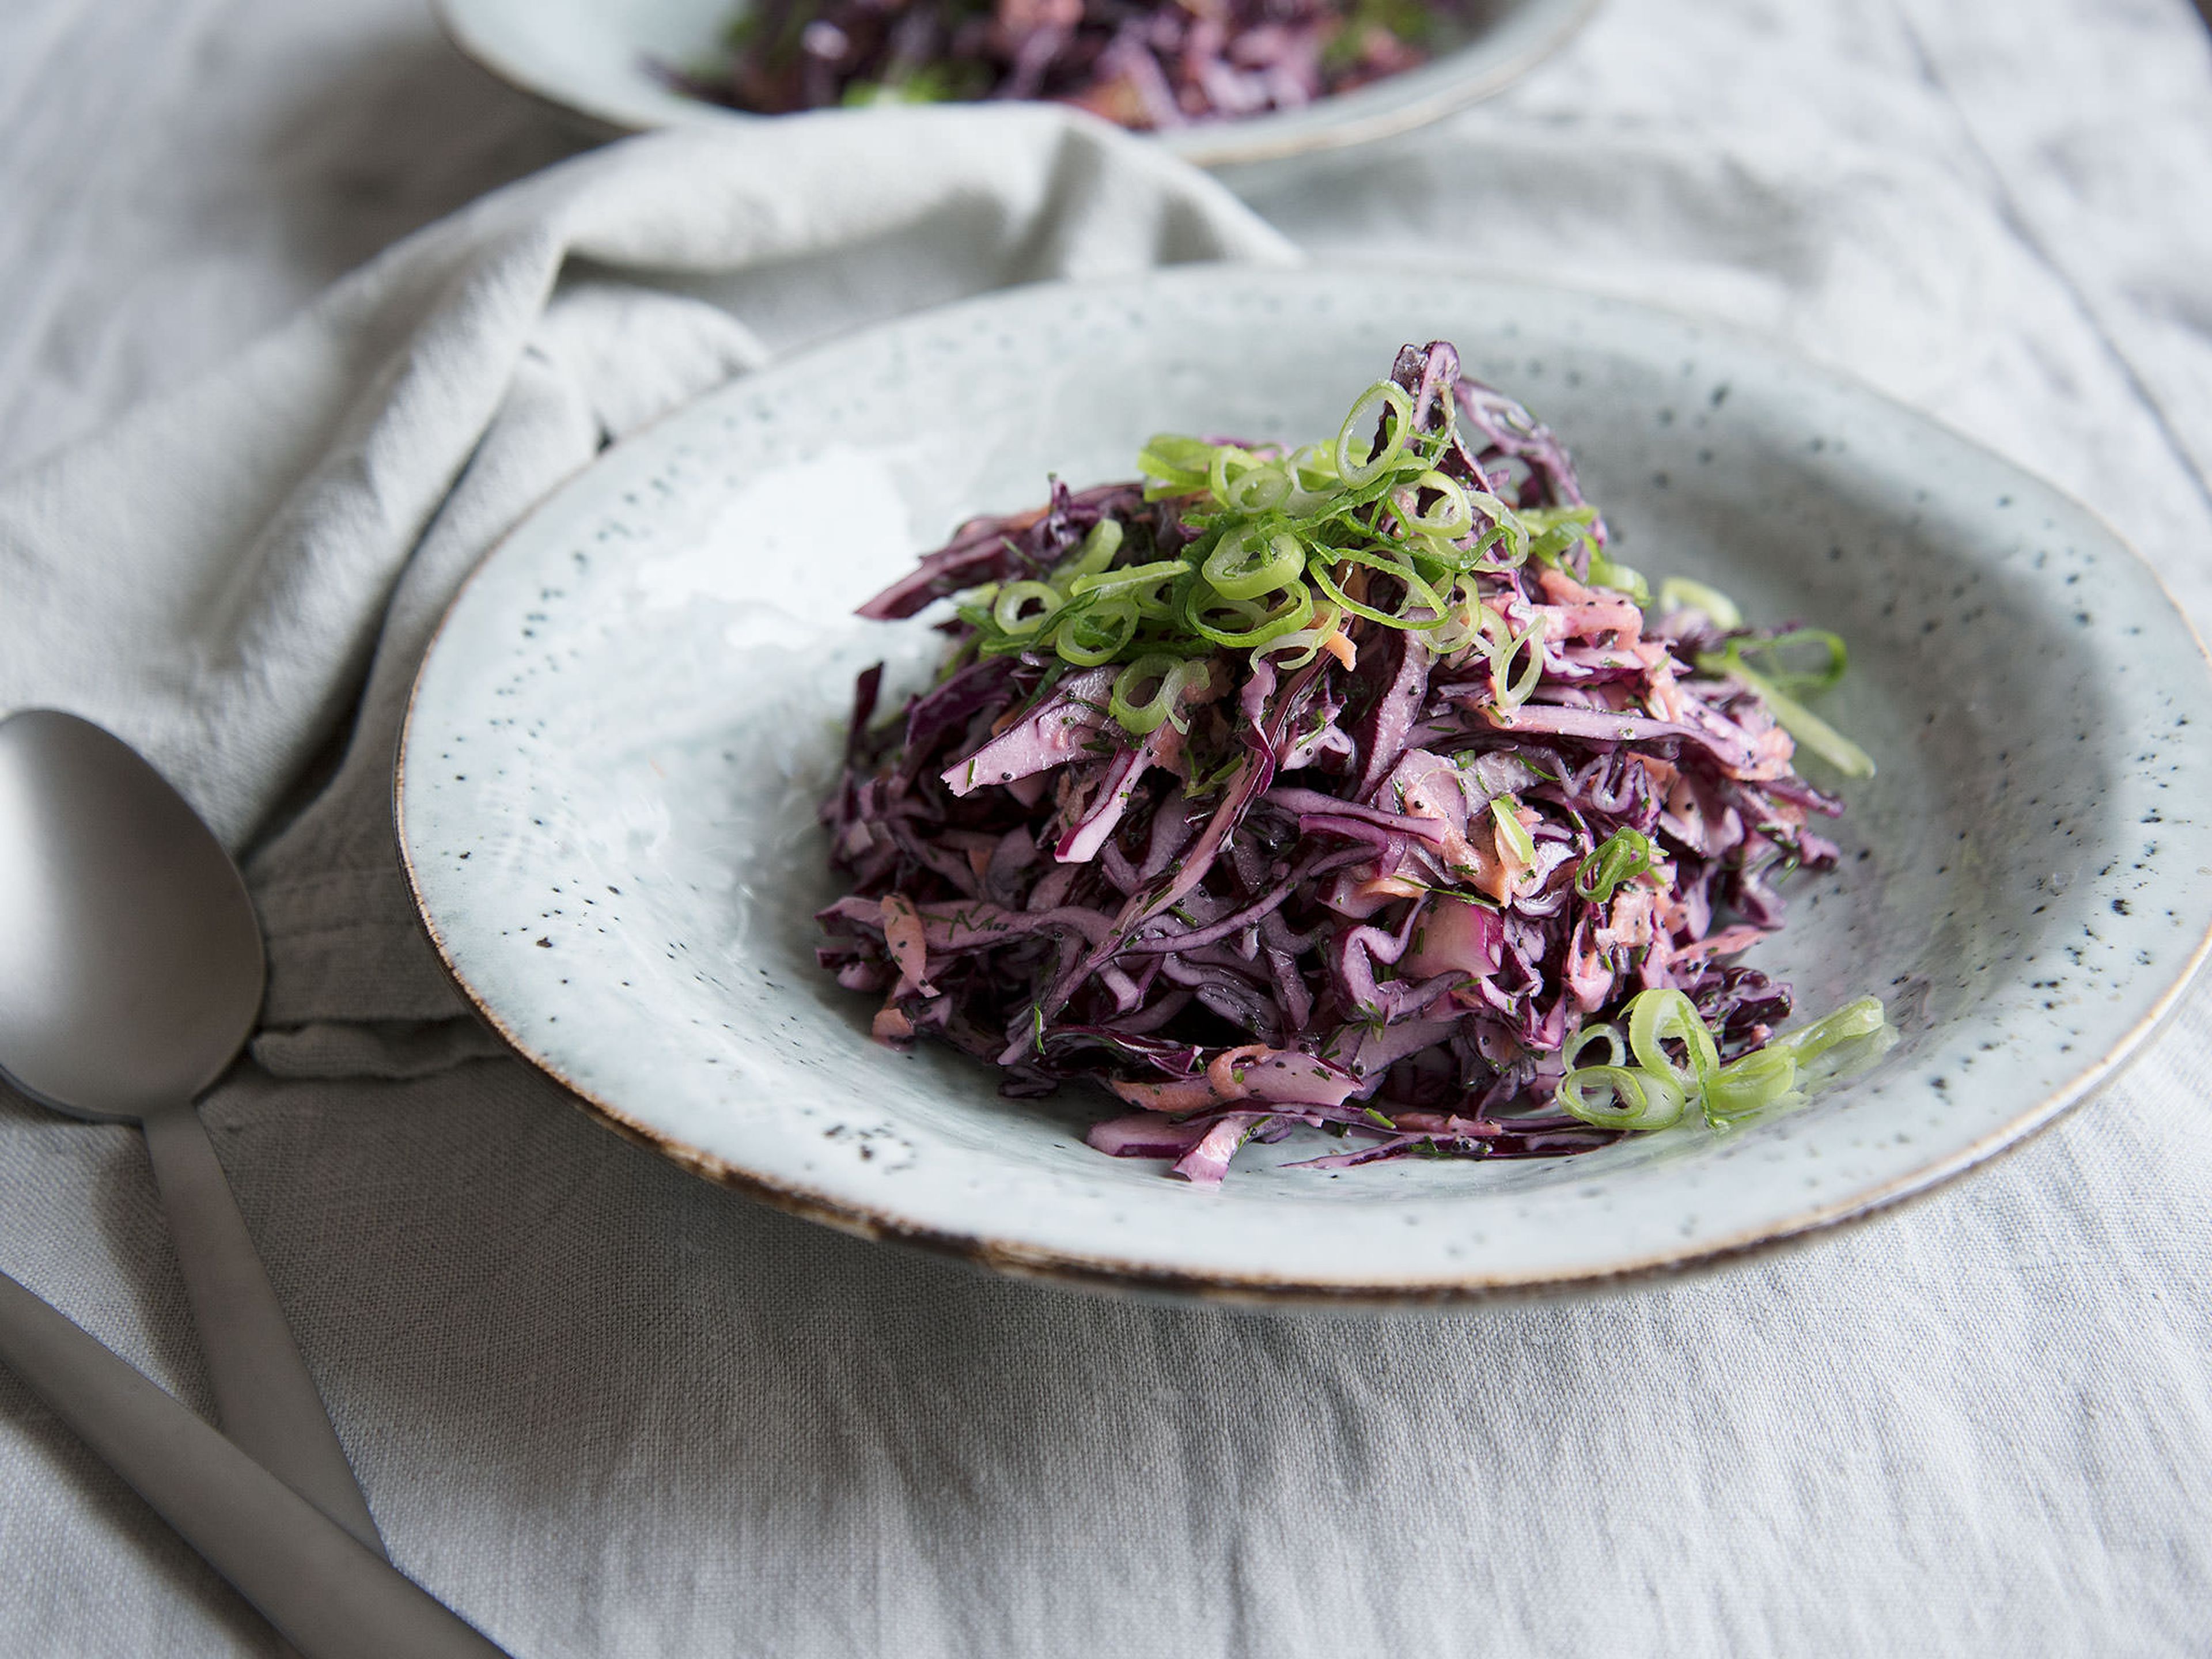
131,961
131,973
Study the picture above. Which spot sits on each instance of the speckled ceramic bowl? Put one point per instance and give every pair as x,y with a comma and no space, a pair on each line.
596,58
618,741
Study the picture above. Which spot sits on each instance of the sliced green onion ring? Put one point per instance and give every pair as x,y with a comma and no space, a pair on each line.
1640,1101
1226,464
1506,529
1657,1017
1161,600
1248,562
1010,611
1312,472
1379,457
1515,687
1260,490
1096,633
1616,1050
1097,552
1350,507
1167,675
1622,856
1511,687
1452,516
1463,619
1305,641
1418,592
1576,520
1252,623
1318,574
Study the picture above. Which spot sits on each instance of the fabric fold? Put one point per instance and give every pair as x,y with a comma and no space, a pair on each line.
241,578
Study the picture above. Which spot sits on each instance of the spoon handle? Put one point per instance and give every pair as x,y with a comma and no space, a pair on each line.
330,1596
263,1396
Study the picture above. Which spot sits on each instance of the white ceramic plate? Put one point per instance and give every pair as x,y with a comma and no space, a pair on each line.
598,59
617,740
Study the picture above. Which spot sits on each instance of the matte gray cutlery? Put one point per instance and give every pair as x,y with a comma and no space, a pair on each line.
130,972
330,1597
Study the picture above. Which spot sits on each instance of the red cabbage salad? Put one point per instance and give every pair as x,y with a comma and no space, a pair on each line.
1145,64
1353,786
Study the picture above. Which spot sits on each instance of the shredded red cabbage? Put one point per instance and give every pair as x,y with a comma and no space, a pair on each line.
1393,884
1145,64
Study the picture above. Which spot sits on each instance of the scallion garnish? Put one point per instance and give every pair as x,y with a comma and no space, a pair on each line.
1162,680
1369,527
1655,1092
1621,857
1513,837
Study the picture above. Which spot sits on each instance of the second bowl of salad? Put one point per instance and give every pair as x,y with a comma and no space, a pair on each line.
1221,82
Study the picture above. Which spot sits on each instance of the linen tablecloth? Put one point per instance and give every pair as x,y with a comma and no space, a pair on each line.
603,1408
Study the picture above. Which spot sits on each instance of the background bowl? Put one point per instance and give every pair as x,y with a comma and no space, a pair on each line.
596,59
617,743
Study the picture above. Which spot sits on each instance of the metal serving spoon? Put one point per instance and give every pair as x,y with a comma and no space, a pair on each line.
130,972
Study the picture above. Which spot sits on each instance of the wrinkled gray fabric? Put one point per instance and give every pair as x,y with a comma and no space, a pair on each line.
604,1408
214,576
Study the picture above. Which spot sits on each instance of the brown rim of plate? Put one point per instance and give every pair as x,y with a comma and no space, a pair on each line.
1099,1272
1223,143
